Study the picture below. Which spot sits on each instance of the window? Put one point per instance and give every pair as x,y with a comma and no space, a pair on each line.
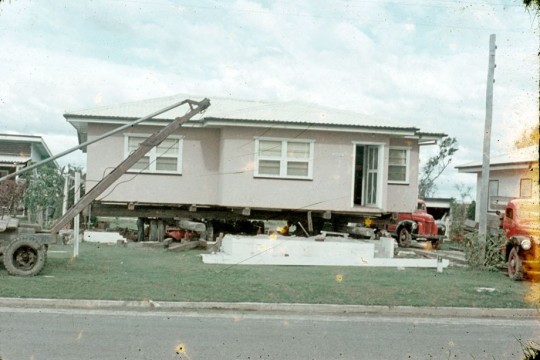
510,213
493,192
525,188
398,165
166,158
282,158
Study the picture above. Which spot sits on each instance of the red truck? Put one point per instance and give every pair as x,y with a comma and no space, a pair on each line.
521,223
417,225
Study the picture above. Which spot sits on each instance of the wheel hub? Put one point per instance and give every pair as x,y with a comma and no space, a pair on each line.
25,258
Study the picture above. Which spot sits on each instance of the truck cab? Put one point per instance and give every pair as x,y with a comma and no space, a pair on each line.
521,223
417,225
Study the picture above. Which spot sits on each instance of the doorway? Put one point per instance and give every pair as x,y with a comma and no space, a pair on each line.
366,175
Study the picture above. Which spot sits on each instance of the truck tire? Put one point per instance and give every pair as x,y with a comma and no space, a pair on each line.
515,266
404,237
25,257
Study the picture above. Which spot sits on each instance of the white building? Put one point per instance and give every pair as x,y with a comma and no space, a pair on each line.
511,175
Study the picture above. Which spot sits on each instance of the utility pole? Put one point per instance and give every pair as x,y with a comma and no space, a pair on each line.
76,222
484,188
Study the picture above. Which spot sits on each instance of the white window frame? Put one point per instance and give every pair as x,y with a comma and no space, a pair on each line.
381,172
492,188
525,187
152,154
283,159
407,164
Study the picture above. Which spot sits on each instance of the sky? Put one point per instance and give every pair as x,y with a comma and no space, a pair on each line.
421,63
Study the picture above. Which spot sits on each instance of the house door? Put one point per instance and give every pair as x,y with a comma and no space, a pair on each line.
366,175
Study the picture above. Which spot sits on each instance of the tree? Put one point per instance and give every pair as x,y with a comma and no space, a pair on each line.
435,166
44,191
460,210
11,194
534,4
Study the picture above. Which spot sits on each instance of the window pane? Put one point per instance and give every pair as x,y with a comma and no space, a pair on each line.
142,164
398,157
134,142
168,146
298,150
296,168
167,164
373,160
397,173
267,167
270,148
525,188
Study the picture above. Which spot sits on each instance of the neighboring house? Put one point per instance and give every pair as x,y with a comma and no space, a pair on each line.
511,175
255,156
439,208
17,151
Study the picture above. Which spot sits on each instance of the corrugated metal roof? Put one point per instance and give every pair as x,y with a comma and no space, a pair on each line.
235,109
12,159
524,155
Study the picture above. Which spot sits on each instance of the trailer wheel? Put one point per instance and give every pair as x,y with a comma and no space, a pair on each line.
404,237
25,257
515,266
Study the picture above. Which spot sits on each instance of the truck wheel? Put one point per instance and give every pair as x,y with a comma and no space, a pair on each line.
515,267
25,257
404,237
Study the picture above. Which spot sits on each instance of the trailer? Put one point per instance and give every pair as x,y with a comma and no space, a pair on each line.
24,247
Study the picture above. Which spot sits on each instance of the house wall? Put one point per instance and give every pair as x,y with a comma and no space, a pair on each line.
330,188
509,184
401,197
218,168
198,183
36,156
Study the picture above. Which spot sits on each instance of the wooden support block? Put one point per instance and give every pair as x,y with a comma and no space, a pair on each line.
184,246
217,245
203,244
152,244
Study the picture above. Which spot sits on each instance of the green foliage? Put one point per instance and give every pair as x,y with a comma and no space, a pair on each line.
435,166
460,212
471,210
494,258
44,189
71,170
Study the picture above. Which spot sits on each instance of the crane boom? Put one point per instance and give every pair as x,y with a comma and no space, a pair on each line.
152,141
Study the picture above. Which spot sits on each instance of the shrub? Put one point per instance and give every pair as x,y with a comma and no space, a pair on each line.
494,258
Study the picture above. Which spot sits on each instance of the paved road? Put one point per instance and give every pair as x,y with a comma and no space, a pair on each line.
106,334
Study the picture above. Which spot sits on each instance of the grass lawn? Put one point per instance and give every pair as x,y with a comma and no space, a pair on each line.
119,273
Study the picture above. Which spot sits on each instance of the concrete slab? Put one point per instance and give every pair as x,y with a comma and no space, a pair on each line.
102,237
333,251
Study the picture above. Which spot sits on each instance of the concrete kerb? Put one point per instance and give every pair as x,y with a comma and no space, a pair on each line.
323,309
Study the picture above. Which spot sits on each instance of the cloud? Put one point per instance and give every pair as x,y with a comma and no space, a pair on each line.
421,64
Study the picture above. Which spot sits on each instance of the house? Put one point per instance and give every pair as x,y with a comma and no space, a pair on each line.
254,158
511,175
17,151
